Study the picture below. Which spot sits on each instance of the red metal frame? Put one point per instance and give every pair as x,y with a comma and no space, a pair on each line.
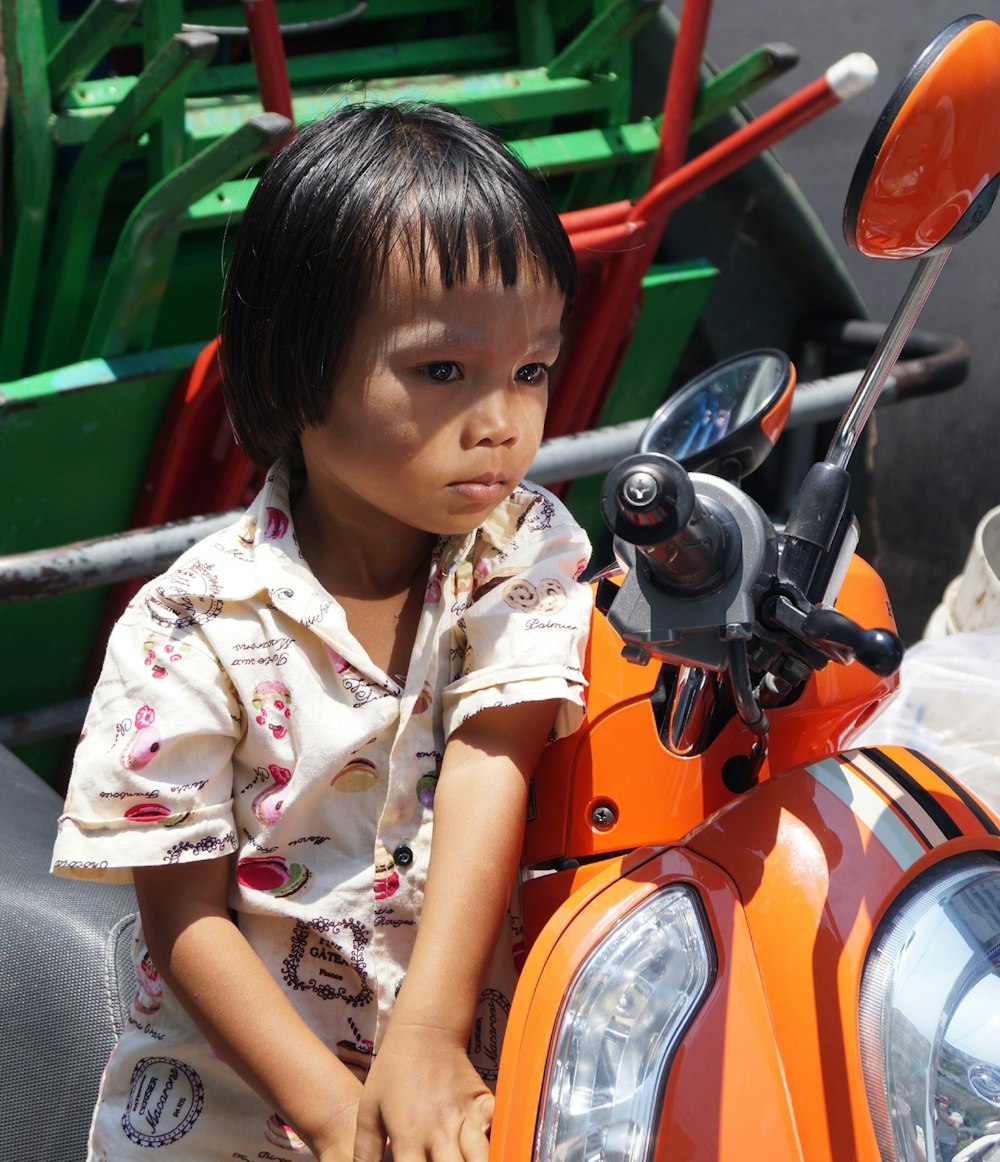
270,65
682,88
589,372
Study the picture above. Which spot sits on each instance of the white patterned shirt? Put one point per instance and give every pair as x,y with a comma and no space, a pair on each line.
236,714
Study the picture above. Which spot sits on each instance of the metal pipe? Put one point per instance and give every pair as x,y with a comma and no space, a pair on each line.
849,430
303,28
103,560
146,552
141,552
268,52
46,722
682,87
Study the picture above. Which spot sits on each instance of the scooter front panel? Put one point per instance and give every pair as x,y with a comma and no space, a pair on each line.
708,1103
561,800
818,855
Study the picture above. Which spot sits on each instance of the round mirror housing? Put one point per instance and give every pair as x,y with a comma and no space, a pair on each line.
929,172
727,419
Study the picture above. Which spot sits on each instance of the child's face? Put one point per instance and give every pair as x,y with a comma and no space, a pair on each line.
439,412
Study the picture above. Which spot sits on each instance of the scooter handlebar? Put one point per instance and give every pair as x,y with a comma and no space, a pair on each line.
649,501
832,635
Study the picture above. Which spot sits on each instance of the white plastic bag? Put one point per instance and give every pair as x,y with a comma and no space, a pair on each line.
948,707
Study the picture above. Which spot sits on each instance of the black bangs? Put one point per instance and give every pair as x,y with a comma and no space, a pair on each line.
332,208
468,204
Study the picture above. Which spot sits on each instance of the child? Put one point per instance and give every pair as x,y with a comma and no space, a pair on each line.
381,646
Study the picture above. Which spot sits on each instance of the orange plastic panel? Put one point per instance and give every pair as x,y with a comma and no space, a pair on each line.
817,856
616,763
794,878
709,1108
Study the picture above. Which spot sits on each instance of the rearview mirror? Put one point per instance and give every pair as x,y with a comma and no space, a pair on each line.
925,180
727,419
929,172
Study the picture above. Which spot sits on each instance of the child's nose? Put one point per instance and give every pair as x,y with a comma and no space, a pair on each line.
496,422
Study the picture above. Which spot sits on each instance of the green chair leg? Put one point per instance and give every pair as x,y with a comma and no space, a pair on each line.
32,168
161,22
619,22
90,38
161,85
740,81
536,41
126,312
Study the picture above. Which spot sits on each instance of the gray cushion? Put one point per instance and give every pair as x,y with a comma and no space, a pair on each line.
66,978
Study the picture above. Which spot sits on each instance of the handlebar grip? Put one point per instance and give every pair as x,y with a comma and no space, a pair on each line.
649,501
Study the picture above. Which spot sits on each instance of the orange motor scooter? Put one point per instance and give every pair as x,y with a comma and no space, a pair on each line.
746,941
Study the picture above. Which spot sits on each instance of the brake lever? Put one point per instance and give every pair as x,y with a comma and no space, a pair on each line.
838,638
878,650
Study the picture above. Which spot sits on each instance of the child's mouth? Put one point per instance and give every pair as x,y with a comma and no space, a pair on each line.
481,490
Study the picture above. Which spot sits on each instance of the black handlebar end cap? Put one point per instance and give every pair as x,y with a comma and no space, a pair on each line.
647,499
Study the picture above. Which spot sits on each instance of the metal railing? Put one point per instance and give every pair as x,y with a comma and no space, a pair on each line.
935,363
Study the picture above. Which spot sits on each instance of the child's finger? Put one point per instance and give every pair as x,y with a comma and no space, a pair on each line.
474,1134
473,1142
485,1106
369,1140
368,1148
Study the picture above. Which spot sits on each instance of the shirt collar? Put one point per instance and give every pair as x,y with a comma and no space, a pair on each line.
260,552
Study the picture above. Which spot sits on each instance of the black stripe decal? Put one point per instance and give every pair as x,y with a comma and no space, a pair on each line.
902,801
985,819
949,828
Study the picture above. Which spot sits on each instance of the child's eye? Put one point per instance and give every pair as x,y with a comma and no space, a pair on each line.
442,372
533,373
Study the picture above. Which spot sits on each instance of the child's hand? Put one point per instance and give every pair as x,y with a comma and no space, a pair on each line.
424,1095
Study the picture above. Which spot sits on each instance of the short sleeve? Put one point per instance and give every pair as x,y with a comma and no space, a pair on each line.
152,776
524,632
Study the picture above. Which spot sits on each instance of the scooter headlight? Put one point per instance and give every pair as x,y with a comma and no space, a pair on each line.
622,1018
930,1015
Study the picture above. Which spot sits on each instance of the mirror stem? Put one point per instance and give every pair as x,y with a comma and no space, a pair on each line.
849,431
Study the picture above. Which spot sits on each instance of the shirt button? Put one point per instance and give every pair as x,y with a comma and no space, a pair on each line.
402,855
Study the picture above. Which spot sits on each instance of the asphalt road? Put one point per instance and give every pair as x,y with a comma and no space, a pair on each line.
936,460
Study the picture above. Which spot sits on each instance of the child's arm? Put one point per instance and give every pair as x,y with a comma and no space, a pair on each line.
241,1010
423,1092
